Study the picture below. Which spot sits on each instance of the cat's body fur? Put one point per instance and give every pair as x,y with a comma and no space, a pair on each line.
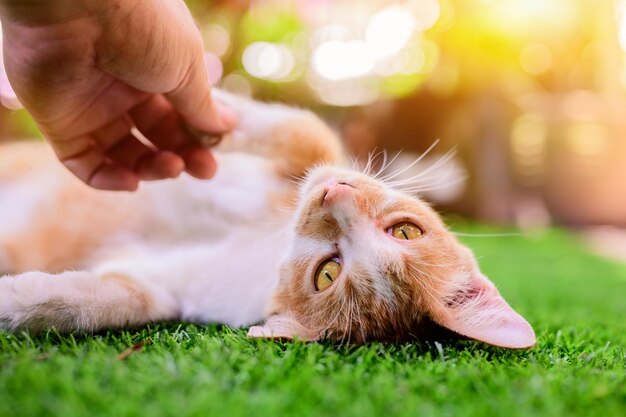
224,250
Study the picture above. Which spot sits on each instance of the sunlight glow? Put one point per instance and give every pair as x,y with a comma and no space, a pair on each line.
237,84
216,39
426,12
345,93
389,30
268,60
529,146
621,6
536,58
333,32
338,60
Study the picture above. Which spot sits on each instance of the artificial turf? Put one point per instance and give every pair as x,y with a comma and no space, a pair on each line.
575,301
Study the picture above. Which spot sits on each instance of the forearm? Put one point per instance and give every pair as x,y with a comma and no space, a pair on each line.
50,11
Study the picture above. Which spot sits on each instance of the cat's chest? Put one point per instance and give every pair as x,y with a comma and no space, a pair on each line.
243,194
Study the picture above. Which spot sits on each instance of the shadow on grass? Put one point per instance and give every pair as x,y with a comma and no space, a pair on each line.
441,344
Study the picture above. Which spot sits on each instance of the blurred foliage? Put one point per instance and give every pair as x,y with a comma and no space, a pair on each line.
452,47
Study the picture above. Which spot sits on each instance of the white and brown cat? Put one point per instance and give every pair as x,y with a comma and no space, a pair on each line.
338,254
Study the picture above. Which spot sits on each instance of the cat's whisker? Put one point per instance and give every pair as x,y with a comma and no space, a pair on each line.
385,167
371,156
437,186
444,159
348,325
487,234
350,317
428,182
360,323
429,276
419,179
423,174
436,265
441,161
433,294
412,164
339,312
386,163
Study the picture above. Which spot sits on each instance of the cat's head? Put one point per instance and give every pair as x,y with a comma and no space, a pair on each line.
369,262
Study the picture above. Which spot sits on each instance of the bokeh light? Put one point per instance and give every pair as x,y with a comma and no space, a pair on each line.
530,91
339,60
426,13
214,67
216,39
389,30
268,60
237,83
536,58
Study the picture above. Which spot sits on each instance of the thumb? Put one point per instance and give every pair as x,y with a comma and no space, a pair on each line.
192,100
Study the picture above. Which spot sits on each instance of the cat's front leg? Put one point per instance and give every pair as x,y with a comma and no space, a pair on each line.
293,138
80,301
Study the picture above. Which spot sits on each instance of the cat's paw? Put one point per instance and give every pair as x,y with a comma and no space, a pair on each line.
10,310
19,295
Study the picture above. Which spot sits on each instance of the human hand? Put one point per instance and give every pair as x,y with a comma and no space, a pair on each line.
83,68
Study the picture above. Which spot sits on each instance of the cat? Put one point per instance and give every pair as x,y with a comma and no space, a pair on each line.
288,238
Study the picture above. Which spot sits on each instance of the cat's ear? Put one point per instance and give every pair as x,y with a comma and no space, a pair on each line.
283,326
479,312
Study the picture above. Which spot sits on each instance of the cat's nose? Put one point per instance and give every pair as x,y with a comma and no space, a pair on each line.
337,191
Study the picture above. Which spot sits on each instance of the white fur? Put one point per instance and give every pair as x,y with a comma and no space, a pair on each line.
211,251
207,251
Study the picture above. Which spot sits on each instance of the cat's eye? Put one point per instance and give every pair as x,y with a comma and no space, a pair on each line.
327,273
406,231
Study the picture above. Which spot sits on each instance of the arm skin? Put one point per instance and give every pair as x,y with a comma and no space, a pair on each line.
82,67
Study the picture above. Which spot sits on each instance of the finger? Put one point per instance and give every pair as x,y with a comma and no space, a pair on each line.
199,162
192,100
147,164
159,122
127,152
122,148
114,178
92,167
160,166
111,134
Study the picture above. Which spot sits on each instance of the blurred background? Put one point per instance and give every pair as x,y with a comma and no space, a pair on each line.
529,94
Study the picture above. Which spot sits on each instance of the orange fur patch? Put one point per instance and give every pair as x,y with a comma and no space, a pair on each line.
69,222
135,292
303,143
380,295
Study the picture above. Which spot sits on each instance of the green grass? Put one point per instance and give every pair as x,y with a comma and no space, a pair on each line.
575,301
